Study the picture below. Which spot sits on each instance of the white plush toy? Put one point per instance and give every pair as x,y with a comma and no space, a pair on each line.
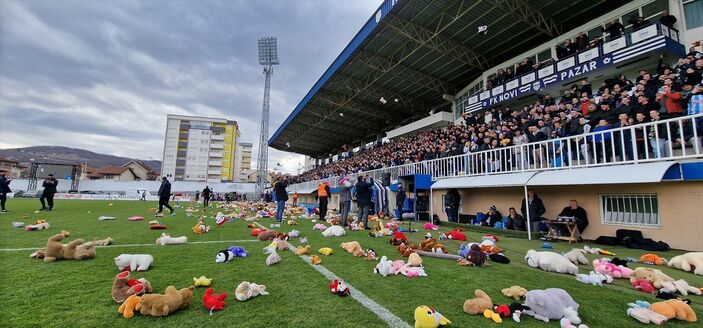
334,230
680,286
384,266
691,262
594,278
135,262
247,290
550,261
273,258
166,239
294,233
575,256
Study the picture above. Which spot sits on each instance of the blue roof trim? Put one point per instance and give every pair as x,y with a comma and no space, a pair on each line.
673,173
359,38
692,171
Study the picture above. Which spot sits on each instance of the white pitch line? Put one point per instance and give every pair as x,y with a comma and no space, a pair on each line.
386,315
139,245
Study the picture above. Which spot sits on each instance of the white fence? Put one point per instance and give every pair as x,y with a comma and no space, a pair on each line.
671,139
134,186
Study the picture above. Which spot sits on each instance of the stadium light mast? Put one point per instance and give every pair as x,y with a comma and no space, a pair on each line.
268,56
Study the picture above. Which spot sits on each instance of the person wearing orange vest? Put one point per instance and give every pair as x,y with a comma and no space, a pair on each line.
323,193
295,198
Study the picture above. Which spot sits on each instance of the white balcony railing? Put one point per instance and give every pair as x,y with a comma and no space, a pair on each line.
671,139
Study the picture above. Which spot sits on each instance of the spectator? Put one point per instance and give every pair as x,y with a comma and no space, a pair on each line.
602,142
537,209
400,200
4,190
279,188
363,199
614,29
639,23
197,196
492,217
666,19
670,102
295,198
515,220
345,199
452,199
582,41
576,211
623,138
323,193
657,135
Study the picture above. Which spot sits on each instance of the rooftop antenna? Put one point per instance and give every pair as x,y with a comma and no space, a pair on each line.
268,56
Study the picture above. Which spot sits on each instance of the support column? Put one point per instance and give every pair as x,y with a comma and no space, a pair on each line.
527,212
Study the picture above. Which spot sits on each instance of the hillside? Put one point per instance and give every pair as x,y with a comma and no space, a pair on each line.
56,154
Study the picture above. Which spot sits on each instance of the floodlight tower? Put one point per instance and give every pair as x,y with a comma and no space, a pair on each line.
268,56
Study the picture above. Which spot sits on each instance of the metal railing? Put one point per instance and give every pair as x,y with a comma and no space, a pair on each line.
664,140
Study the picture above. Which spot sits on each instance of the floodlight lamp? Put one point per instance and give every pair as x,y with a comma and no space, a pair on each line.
268,51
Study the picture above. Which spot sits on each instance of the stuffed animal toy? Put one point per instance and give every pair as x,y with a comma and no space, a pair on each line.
224,256
479,304
103,242
499,258
457,234
38,226
303,240
644,286
383,267
256,231
565,323
406,250
353,248
135,218
335,230
551,304
273,258
691,262
489,314
414,260
430,226
392,225
267,235
131,304
17,224
300,250
252,225
105,218
641,311
575,256
214,302
412,272
158,305
674,309
550,261
680,286
476,256
166,239
156,225
398,238
515,292
427,244
135,262
202,281
655,276
490,249
74,250
123,287
319,226
371,255
292,222
246,290
443,236
427,317
594,278
315,260
598,251
282,236
325,251
294,233
517,309
339,288
396,266
652,259
502,310
668,296
200,227
606,268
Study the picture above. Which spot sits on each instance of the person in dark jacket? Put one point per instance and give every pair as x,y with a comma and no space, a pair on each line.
323,195
492,217
207,193
537,209
345,199
279,188
451,205
363,199
164,194
49,185
614,30
400,200
4,190
515,221
578,212
666,19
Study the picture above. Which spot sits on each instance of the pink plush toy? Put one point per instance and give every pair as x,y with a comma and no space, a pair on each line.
392,226
430,226
644,285
319,226
135,218
606,268
396,266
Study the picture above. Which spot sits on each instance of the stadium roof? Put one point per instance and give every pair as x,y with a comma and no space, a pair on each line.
416,51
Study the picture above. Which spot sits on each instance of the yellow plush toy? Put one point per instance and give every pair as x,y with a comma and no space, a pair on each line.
427,317
201,282
325,251
292,222
300,250
315,260
515,292
130,305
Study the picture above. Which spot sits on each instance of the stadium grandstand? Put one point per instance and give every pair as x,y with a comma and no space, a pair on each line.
595,101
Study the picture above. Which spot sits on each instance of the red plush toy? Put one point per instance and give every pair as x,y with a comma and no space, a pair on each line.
336,287
644,285
398,238
456,234
502,310
257,231
214,302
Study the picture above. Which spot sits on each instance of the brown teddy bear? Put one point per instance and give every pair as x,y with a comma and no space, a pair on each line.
353,247
157,305
674,309
515,292
267,235
479,304
74,250
406,250
123,287
426,245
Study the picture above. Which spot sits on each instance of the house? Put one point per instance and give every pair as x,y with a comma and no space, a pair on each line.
130,171
14,169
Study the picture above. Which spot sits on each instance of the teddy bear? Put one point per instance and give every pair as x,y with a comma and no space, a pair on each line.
475,256
214,302
315,260
426,245
161,305
371,255
479,304
594,278
398,238
300,250
406,250
123,287
515,292
102,242
674,309
609,269
551,304
680,286
576,256
550,261
74,250
353,248
246,290
339,288
643,285
138,262
267,235
414,260
131,304
200,227
334,231
691,262
166,239
655,276
294,233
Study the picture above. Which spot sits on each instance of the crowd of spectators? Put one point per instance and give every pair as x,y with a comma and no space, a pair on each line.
662,93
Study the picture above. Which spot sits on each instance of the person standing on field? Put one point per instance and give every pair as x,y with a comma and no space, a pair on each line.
164,194
323,193
49,185
4,190
207,193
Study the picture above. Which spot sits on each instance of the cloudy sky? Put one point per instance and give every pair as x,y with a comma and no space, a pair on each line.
102,75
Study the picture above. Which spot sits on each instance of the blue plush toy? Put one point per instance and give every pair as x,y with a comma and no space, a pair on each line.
547,246
238,251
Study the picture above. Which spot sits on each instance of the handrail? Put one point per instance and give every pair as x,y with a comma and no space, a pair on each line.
633,144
